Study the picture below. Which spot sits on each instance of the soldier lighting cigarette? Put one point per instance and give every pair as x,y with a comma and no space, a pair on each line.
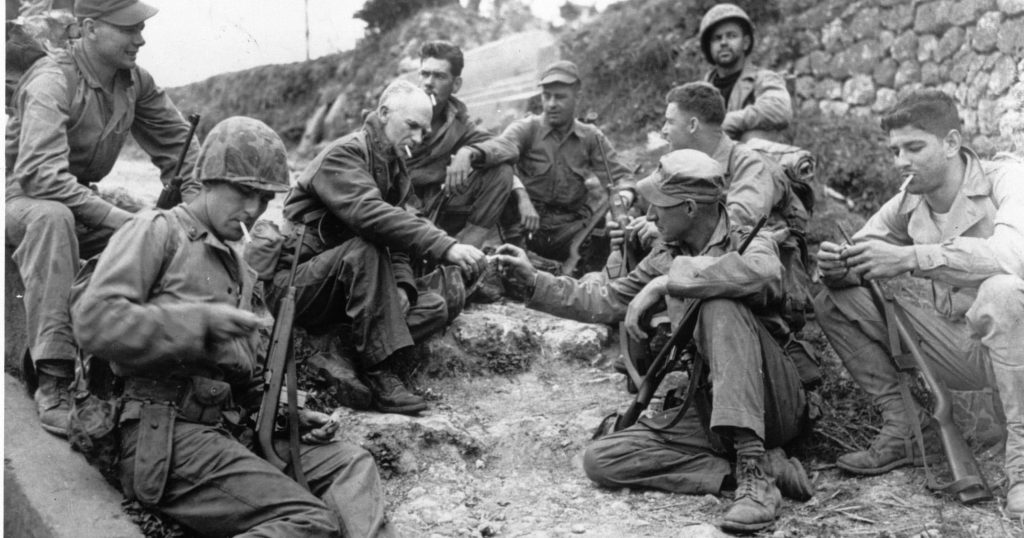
245,232
408,152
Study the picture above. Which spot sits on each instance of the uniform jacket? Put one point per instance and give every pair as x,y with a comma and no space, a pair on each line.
553,168
56,148
756,187
429,162
145,307
983,237
759,104
358,187
717,271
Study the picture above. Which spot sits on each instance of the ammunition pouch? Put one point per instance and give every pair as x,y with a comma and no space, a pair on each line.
197,399
153,452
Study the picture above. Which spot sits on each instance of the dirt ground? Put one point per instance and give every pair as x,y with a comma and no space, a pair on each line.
500,455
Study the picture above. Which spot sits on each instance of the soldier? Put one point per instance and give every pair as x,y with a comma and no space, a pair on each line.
555,153
958,222
186,348
354,266
748,413
757,101
72,113
442,165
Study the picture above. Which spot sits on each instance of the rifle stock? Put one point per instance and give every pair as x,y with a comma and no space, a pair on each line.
280,360
968,483
569,265
170,195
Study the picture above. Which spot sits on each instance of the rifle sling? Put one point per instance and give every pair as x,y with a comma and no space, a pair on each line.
293,418
696,377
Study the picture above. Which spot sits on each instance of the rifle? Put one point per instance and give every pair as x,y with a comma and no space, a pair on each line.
170,196
569,265
281,358
968,483
682,334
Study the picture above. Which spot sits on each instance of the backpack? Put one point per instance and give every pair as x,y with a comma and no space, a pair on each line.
798,164
29,40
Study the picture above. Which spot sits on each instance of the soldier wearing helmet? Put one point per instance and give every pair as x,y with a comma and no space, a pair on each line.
757,101
169,308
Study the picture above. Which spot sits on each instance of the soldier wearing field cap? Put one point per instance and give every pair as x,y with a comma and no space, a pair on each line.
756,402
555,153
169,307
71,114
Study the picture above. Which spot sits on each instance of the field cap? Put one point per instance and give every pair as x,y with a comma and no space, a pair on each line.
683,174
245,151
562,71
119,12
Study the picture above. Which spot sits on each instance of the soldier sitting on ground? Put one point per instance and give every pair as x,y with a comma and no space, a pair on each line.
958,222
756,400
354,266
169,307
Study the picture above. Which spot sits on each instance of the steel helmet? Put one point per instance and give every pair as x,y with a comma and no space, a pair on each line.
718,14
247,151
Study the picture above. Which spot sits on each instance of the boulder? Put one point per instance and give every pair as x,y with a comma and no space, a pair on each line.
829,89
1010,37
931,74
965,12
904,47
859,90
864,23
834,36
961,66
885,72
820,62
1011,7
933,17
885,100
990,112
857,59
1002,76
986,31
898,17
950,43
926,46
908,72
834,108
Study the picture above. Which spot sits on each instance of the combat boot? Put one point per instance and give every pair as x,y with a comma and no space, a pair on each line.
790,476
757,500
391,396
889,451
53,402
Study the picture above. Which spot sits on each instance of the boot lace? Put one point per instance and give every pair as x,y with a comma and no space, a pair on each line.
751,474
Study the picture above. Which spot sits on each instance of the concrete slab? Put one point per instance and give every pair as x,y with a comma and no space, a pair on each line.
49,490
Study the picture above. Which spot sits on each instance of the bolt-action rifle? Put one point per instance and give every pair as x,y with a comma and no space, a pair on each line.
968,483
170,196
281,362
658,369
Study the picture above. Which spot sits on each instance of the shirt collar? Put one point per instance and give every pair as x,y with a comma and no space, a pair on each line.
197,230
575,128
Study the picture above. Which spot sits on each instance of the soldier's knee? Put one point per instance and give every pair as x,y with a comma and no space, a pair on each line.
834,306
50,216
597,463
1004,293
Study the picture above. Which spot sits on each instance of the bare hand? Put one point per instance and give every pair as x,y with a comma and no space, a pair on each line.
403,300
647,231
457,175
467,257
652,293
321,426
225,322
830,260
528,216
877,259
514,264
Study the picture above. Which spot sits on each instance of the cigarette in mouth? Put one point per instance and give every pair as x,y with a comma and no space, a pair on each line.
433,102
408,152
245,232
907,178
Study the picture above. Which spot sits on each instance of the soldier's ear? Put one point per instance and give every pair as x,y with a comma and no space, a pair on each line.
456,84
382,112
952,143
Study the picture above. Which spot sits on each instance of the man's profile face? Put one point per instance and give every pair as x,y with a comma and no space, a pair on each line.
922,157
676,130
407,121
672,222
728,44
116,46
559,102
229,205
436,79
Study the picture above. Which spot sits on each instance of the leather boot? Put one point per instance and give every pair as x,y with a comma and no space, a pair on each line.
757,501
53,402
391,396
790,476
1015,499
337,371
889,451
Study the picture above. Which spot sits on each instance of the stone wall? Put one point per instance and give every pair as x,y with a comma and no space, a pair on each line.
859,58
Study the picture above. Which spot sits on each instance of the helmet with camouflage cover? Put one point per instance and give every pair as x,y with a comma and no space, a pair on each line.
719,14
246,151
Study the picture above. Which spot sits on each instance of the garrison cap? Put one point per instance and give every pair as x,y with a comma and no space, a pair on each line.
246,151
562,71
684,174
119,12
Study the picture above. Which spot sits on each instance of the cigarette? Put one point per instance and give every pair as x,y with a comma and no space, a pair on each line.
906,180
408,152
433,102
245,232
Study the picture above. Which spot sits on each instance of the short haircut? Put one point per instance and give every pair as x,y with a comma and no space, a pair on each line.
398,89
932,111
700,99
444,50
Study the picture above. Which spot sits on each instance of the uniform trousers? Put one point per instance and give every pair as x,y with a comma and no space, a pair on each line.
984,349
49,244
219,487
754,386
480,205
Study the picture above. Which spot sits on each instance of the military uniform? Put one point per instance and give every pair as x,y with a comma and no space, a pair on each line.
974,257
483,203
359,242
186,394
65,134
758,106
553,166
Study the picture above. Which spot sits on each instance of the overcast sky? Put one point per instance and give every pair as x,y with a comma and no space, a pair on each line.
189,40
